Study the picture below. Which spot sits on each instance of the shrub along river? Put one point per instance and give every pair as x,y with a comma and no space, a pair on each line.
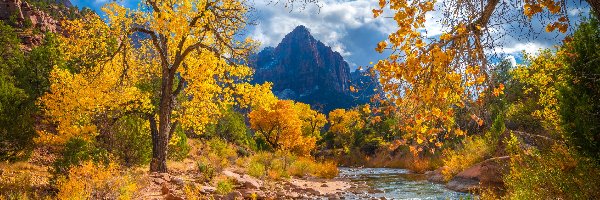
395,184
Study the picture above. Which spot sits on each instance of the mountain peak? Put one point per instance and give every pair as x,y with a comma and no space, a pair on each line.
300,29
299,34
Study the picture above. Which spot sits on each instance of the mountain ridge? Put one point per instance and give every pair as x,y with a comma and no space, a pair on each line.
304,69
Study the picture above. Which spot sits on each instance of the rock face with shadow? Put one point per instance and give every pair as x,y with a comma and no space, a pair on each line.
304,69
486,174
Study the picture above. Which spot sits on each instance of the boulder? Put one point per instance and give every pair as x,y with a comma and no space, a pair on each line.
164,189
172,197
177,181
487,173
245,181
436,175
208,190
234,195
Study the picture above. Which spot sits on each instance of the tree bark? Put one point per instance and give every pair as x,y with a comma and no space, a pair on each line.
160,138
595,4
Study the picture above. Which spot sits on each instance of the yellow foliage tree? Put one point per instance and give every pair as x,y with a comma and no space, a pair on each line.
343,124
174,60
312,120
281,127
428,78
544,76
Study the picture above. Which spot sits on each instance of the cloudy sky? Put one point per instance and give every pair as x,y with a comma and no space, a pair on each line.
348,26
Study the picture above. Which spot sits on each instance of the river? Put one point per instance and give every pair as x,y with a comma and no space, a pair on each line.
395,184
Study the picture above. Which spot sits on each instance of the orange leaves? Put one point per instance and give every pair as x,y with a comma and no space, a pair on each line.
377,12
381,46
352,89
533,7
477,119
560,25
499,90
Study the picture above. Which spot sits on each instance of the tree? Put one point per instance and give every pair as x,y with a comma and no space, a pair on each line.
430,77
175,60
580,99
23,78
312,120
281,127
343,125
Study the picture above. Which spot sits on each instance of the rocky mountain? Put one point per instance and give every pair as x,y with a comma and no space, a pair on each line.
40,15
304,69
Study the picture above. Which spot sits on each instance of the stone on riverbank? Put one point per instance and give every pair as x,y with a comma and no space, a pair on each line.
487,173
436,175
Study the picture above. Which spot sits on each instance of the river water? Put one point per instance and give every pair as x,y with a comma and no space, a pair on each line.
395,184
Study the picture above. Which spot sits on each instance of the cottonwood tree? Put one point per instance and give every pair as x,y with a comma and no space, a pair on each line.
281,126
430,78
171,60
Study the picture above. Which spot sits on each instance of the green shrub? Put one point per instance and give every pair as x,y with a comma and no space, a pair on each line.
232,128
178,146
256,169
76,152
206,170
302,167
559,173
132,143
224,186
16,105
283,165
580,99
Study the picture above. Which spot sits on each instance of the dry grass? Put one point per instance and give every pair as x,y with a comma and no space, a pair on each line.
23,180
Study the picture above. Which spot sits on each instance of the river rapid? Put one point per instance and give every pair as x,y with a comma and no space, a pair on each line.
386,183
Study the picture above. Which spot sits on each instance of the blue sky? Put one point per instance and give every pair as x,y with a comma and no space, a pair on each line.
349,28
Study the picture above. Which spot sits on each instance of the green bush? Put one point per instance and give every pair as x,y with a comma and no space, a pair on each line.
580,99
76,152
558,173
232,128
132,142
178,146
23,78
256,169
206,170
224,186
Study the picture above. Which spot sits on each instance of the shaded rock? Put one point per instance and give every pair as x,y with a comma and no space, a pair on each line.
164,189
324,185
158,181
234,195
172,197
436,175
177,181
245,180
487,173
208,190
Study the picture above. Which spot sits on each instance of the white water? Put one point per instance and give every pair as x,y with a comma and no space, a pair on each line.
396,184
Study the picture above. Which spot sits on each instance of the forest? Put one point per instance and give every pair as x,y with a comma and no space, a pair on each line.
156,102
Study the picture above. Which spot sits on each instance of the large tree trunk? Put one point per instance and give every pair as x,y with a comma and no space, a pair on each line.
160,137
595,4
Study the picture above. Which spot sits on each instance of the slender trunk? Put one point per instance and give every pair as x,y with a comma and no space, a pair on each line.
160,141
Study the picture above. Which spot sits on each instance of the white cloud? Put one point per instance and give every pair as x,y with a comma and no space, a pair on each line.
512,60
529,47
330,24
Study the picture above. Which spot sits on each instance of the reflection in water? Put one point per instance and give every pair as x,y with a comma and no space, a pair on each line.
397,184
